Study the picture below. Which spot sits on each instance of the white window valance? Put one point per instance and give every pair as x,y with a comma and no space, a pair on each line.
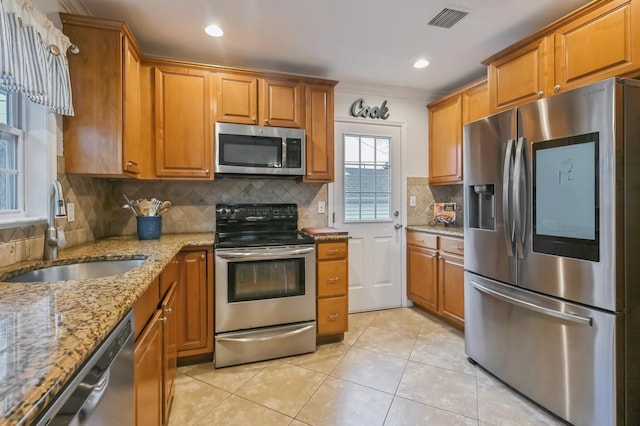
33,57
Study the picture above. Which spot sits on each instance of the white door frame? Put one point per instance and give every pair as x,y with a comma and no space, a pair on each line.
403,192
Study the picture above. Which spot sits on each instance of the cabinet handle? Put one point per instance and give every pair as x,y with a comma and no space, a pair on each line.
162,319
334,279
202,257
333,316
332,251
460,247
206,172
556,88
266,121
420,241
131,163
254,119
540,94
168,310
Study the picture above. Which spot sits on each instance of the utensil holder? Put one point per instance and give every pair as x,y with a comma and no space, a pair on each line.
149,227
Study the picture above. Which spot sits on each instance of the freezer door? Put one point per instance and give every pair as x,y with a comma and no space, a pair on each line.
567,199
489,155
561,355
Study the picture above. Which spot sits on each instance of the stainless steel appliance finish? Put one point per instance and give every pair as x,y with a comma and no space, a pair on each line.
265,286
259,150
551,240
101,393
77,271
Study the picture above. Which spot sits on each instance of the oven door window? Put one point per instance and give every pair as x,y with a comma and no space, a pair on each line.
565,197
250,151
266,279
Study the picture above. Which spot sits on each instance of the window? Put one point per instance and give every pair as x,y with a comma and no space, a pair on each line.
11,155
367,178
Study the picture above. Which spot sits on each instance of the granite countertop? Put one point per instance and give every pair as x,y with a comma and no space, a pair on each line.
326,234
47,330
449,231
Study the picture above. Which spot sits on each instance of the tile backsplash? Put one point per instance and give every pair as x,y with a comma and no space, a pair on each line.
98,211
426,195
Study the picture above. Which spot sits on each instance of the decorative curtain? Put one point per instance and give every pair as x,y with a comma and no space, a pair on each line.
33,57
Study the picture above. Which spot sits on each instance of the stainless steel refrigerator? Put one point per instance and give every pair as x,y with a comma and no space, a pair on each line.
552,244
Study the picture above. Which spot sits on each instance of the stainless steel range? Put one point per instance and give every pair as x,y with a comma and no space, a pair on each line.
265,286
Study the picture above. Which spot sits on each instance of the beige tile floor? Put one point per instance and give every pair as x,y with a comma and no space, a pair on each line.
394,367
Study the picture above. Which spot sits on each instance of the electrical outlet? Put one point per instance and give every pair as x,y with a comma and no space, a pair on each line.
412,201
71,212
321,206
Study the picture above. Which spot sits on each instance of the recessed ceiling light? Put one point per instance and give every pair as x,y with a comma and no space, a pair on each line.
214,31
421,63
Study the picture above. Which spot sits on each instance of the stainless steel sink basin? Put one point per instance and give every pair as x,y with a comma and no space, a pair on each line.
77,271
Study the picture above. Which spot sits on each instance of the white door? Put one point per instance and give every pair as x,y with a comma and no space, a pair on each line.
366,202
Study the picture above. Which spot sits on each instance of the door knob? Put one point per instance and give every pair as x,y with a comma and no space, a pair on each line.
397,226
396,213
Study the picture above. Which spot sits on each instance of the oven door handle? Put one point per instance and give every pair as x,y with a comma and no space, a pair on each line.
267,338
252,254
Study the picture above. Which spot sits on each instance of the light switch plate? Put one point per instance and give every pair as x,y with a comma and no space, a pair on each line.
321,207
412,201
71,212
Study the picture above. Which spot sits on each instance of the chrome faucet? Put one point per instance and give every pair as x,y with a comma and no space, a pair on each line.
56,209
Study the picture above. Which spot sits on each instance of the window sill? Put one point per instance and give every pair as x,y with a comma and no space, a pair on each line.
21,222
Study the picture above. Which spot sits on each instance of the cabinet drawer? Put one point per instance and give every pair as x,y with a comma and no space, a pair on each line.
331,251
332,315
422,239
146,306
452,245
332,278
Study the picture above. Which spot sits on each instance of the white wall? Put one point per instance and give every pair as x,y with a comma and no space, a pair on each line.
405,109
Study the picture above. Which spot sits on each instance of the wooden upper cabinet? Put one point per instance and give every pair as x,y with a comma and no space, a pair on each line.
475,102
247,99
522,75
445,140
601,44
183,123
319,133
237,98
103,137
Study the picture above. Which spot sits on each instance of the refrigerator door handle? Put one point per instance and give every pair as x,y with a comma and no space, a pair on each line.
519,175
578,319
506,197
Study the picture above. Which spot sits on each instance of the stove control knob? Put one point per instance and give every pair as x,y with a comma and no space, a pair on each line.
223,212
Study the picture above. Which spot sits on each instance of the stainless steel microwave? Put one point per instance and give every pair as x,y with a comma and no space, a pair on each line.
259,150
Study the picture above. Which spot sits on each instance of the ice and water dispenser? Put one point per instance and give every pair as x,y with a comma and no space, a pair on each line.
482,206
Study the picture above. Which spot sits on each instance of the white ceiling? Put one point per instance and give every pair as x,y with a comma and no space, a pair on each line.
370,43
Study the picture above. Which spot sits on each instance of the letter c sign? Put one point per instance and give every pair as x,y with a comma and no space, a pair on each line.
359,109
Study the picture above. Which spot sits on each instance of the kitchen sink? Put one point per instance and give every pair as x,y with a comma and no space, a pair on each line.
77,271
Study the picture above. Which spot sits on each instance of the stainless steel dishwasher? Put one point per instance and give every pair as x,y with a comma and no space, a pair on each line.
101,393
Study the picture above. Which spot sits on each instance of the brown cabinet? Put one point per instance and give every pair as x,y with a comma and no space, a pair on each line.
435,274
597,41
169,349
319,133
475,102
183,123
332,280
103,137
195,302
248,99
445,140
148,380
422,267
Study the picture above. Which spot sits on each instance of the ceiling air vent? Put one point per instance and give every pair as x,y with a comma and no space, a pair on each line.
447,18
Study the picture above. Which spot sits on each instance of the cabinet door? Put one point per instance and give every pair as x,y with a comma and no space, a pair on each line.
422,284
131,147
451,286
445,141
319,133
237,98
192,304
522,76
601,44
148,374
184,129
475,102
170,349
281,103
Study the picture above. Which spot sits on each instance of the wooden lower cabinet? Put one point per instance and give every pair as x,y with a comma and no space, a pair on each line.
169,349
435,274
195,302
332,280
148,379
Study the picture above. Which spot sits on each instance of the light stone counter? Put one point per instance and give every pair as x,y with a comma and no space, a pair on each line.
439,230
47,330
